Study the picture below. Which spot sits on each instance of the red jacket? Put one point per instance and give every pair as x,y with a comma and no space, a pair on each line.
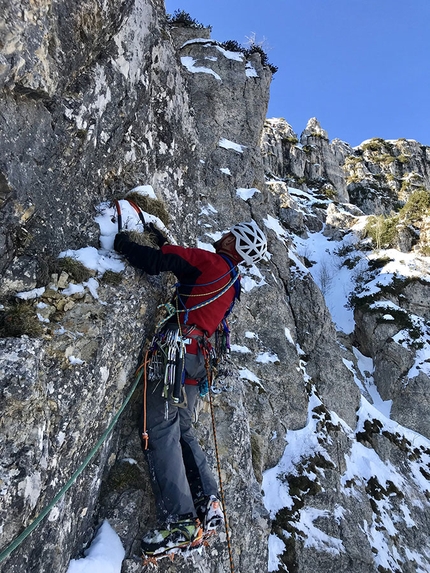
193,267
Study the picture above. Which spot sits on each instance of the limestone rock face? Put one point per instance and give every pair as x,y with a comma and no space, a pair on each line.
380,172
318,341
119,115
314,162
377,332
99,99
80,137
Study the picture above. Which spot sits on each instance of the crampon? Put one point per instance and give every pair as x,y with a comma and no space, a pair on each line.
185,550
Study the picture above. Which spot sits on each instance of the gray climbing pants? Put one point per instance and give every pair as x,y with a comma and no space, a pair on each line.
178,468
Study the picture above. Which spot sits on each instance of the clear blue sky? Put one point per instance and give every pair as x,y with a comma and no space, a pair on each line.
361,67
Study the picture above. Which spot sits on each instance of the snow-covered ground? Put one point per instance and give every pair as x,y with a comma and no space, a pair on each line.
104,555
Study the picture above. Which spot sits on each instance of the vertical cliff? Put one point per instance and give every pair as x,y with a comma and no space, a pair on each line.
95,101
101,98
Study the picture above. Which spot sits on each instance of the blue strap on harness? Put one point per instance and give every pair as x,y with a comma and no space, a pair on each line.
236,285
235,277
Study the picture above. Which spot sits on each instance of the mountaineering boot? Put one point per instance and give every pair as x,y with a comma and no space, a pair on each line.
210,513
180,535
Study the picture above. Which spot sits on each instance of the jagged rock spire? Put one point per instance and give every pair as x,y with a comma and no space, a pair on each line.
313,129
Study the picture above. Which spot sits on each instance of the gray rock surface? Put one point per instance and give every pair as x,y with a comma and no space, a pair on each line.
95,100
311,161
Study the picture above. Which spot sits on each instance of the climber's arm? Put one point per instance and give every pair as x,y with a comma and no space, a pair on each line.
154,261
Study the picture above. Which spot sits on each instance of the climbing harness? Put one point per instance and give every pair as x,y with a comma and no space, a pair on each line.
168,346
164,362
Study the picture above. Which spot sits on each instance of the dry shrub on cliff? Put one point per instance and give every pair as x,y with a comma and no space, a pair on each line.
182,18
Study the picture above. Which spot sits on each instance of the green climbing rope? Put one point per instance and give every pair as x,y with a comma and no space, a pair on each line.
17,542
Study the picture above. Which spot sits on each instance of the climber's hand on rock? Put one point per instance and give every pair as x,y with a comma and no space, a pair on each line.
121,241
160,239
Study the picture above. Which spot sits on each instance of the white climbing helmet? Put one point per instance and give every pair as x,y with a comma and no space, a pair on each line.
251,243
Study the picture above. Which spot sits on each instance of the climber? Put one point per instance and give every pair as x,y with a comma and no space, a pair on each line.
185,489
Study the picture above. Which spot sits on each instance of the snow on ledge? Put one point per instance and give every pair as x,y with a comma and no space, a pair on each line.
206,41
227,144
237,56
189,62
246,374
246,194
267,358
239,348
250,71
274,224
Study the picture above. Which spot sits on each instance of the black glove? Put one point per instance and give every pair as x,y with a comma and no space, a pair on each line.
121,241
160,239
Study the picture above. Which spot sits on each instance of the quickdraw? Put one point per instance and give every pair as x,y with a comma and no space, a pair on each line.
222,338
119,215
166,364
138,211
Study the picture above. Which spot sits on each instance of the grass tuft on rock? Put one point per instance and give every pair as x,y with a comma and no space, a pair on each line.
20,318
75,269
111,278
145,239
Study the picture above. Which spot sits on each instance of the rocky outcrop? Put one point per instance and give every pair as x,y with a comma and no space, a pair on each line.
374,176
313,162
102,99
388,339
380,173
391,327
